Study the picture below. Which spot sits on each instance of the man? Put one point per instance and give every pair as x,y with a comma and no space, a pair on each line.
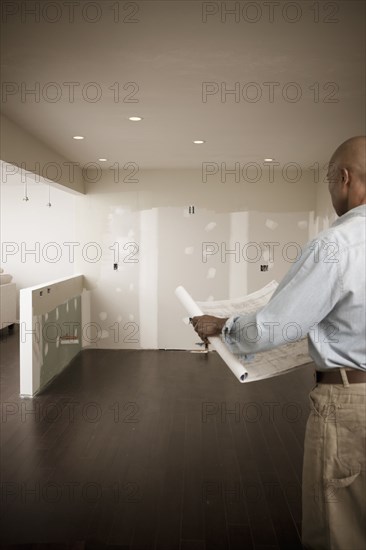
324,294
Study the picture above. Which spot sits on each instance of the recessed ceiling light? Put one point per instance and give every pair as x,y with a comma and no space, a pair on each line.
102,160
135,118
268,160
198,141
78,137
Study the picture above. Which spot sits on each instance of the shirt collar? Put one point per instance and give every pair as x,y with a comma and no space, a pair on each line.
358,211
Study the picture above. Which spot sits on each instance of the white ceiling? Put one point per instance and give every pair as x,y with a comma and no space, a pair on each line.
169,52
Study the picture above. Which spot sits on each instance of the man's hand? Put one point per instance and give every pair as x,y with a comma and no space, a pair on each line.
207,325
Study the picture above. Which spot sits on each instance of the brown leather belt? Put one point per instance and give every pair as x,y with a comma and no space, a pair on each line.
354,376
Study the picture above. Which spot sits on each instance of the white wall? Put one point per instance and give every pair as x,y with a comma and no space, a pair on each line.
152,214
28,226
160,245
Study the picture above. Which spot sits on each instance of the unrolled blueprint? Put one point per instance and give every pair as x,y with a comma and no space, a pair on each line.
262,365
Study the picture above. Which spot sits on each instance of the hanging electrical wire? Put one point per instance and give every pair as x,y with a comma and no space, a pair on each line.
49,196
26,198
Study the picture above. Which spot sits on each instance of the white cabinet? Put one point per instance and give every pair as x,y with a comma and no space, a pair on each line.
8,300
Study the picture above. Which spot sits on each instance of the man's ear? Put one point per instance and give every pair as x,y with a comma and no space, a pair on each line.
345,176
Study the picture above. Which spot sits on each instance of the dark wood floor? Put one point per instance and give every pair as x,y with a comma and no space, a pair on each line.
152,449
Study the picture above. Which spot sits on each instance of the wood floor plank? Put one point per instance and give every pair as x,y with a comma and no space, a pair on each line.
192,526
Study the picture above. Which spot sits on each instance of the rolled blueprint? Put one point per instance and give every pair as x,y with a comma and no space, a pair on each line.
232,362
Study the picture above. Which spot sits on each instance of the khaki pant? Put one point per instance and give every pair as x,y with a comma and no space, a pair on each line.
334,487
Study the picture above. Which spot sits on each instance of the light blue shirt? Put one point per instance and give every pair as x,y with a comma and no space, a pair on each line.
321,297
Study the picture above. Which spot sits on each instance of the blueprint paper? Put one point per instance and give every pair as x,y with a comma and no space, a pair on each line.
263,365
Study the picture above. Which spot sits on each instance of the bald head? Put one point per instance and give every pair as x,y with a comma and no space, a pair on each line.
351,154
347,175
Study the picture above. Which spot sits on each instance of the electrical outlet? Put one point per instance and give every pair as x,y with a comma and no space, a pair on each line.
264,267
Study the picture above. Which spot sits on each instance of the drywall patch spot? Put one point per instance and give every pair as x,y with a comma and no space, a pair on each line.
46,316
303,224
119,211
131,287
271,224
210,298
103,334
118,289
210,226
211,273
119,319
102,315
131,316
189,250
131,234
186,320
